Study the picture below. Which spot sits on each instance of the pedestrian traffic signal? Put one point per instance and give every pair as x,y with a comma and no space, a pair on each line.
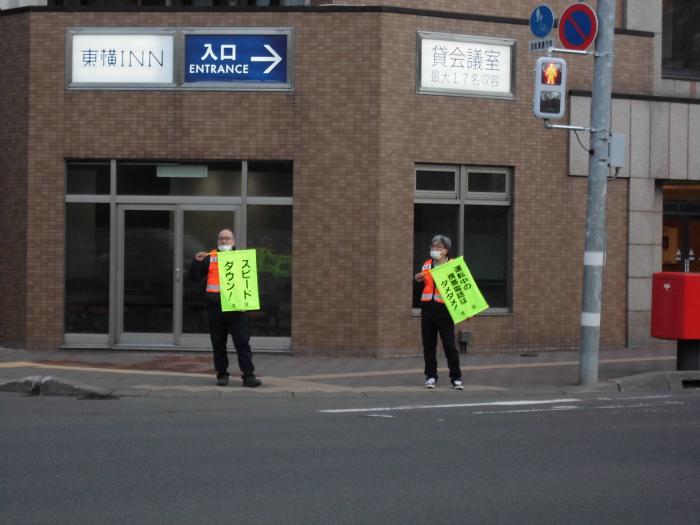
550,88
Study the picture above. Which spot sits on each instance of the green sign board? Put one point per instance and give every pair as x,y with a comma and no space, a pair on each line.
238,281
458,289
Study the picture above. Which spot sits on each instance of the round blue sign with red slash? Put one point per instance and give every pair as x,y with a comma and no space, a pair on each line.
578,27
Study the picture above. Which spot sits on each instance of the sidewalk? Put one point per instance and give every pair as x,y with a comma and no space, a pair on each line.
139,373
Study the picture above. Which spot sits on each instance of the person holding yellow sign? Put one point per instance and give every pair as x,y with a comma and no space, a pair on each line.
436,319
205,269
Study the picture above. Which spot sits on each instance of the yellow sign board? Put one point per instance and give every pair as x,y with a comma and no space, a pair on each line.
458,289
238,281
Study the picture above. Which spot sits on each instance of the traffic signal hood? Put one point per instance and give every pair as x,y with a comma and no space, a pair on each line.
550,88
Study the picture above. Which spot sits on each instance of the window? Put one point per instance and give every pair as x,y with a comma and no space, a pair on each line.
270,233
87,268
443,180
119,213
270,179
681,39
87,178
475,213
212,179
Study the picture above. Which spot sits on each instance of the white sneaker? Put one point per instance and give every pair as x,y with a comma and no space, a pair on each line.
457,385
430,383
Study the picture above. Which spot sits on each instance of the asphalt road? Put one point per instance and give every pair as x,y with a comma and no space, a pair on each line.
384,459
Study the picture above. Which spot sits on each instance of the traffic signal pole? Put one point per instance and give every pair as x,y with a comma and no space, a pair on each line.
594,254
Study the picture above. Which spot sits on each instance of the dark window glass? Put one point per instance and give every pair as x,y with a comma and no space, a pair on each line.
270,233
148,278
223,179
270,179
87,178
87,268
681,38
486,242
487,182
200,228
428,221
427,180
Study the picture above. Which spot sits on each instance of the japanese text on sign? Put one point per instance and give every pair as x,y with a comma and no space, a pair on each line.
458,289
238,281
468,67
122,59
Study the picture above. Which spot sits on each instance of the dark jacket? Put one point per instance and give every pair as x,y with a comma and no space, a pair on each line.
198,274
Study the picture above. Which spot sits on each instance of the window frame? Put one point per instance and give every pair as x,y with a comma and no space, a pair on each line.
674,72
465,198
113,199
437,194
479,197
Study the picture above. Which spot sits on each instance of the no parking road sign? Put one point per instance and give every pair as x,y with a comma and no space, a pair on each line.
578,27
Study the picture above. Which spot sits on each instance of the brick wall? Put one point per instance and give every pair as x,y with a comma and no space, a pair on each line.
14,245
355,128
549,206
502,8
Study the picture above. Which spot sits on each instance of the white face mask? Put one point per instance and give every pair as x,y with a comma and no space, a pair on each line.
225,247
436,254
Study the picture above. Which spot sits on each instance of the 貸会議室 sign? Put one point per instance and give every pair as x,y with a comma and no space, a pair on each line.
237,58
226,58
451,64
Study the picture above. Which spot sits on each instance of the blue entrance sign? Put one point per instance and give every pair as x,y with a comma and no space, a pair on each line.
578,27
237,61
541,21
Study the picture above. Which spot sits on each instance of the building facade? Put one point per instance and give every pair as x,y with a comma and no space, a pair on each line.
339,175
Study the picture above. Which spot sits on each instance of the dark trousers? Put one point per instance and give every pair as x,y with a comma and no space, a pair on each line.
221,324
436,319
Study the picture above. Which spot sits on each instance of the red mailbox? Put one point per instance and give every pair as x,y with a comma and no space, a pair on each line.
675,305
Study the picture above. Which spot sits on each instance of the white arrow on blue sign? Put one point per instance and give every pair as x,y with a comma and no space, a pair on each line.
274,58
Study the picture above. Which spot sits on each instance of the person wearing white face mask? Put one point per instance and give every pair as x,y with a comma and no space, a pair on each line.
221,324
436,319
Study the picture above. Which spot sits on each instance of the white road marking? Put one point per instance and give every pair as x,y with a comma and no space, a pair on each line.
570,407
640,402
455,405
530,410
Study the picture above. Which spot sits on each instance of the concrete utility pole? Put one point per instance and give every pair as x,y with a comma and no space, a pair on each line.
598,169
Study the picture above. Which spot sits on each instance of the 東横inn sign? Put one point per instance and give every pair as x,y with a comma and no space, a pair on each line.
247,59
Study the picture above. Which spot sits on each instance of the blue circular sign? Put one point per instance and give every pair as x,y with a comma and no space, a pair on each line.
541,21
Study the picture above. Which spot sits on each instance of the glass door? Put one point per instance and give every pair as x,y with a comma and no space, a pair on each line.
145,275
157,302
200,226
681,234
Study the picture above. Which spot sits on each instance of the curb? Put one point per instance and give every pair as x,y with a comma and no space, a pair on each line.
675,381
53,386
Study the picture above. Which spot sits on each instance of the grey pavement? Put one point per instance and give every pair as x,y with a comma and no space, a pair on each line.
101,373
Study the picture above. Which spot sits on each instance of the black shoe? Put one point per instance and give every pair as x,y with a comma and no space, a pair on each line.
222,380
251,382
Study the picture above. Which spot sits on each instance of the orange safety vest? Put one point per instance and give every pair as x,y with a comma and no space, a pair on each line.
430,292
213,275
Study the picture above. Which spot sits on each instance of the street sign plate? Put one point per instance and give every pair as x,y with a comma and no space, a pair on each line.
541,21
233,60
578,27
540,45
